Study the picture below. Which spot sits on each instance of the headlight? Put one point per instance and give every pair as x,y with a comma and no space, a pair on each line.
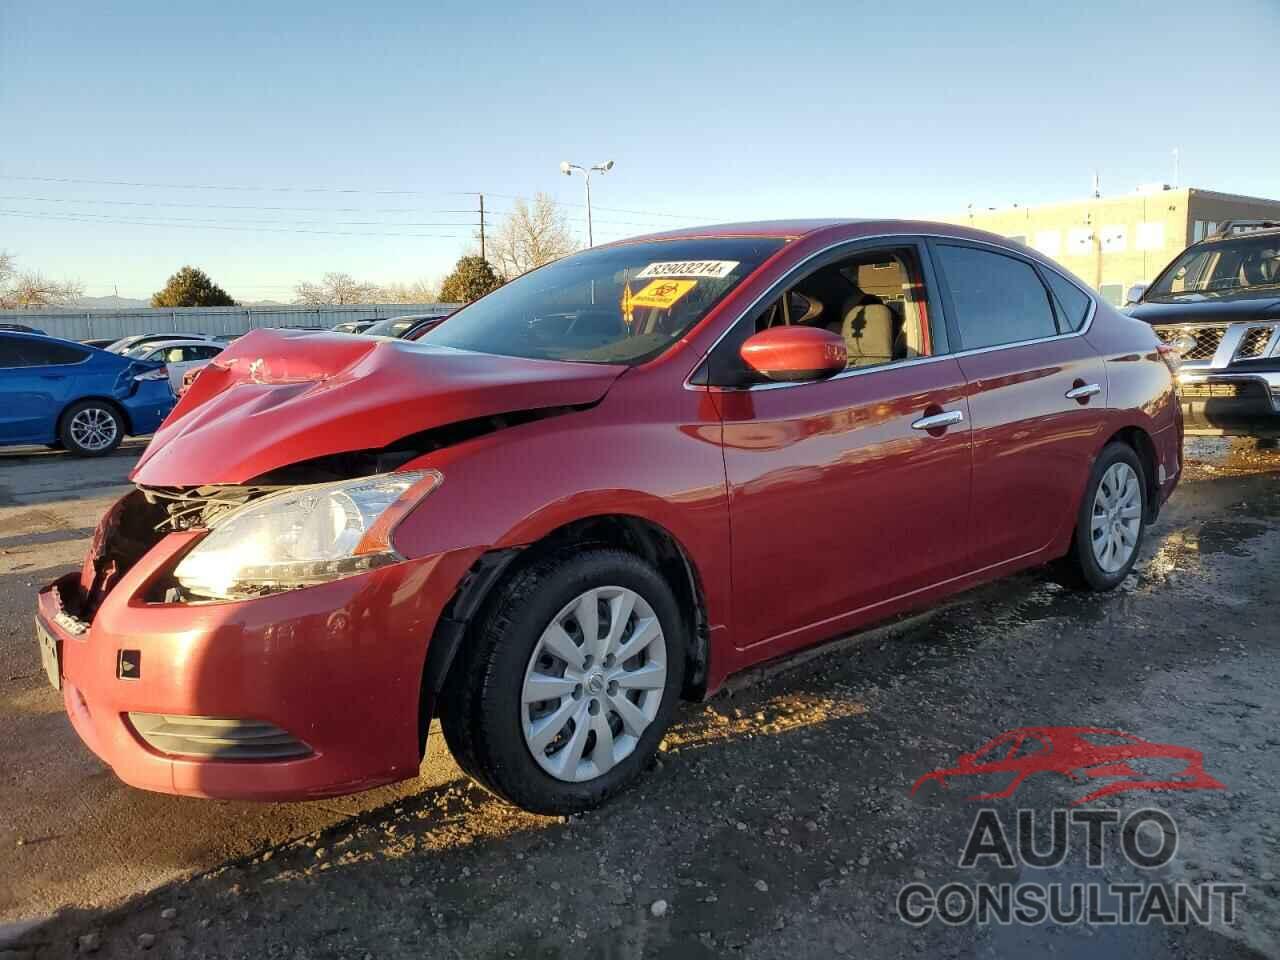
303,536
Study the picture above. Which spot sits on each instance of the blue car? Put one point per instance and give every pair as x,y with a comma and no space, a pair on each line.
63,393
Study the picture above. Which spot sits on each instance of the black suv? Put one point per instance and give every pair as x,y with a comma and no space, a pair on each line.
1218,306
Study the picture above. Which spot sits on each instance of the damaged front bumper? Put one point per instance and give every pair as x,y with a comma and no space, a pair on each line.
308,693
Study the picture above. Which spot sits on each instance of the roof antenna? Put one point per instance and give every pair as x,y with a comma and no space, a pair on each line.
1097,185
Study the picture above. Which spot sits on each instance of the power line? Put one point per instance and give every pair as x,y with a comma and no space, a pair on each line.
233,206
93,218
154,204
335,190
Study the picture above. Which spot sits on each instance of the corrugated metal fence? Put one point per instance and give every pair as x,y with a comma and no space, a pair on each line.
95,324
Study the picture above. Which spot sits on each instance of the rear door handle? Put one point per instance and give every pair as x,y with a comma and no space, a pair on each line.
947,419
1084,392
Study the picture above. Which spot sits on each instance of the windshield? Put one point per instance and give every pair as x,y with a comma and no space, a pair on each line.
391,327
621,304
1219,269
140,351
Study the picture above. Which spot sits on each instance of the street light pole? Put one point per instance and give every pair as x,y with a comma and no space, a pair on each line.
567,169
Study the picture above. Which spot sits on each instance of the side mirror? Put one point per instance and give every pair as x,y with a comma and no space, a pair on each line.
795,353
1135,293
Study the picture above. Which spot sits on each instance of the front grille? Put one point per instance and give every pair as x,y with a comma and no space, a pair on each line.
1202,341
216,738
1254,343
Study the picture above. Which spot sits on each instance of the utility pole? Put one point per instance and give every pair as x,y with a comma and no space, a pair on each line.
1177,162
482,257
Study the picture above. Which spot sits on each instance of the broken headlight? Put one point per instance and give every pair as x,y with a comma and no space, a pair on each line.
303,536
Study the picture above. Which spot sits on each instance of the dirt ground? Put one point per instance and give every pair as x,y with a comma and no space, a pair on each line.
779,820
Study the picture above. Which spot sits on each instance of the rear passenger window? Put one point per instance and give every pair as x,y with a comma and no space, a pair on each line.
1072,302
997,299
10,355
41,353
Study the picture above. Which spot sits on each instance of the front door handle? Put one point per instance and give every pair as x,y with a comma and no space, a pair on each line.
948,418
1084,391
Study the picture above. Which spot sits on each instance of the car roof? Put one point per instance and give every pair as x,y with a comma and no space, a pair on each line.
848,228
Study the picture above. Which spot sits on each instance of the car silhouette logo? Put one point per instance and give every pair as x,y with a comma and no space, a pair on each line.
1082,755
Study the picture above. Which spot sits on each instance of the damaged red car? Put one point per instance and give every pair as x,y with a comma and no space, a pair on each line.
597,491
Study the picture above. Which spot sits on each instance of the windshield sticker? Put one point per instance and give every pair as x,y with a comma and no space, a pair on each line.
628,304
662,294
716,269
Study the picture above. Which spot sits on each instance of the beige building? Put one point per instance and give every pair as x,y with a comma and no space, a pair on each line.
1114,242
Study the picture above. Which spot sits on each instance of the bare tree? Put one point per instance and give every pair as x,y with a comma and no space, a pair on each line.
336,288
34,289
531,236
419,291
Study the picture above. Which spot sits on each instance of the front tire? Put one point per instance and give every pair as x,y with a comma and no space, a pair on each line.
568,681
1111,522
91,428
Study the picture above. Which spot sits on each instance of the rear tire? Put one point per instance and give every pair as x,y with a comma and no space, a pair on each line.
1111,522
91,428
602,718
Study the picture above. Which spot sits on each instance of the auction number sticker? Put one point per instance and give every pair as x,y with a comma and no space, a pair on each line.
662,294
716,269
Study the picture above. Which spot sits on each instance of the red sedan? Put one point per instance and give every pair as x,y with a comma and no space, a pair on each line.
599,490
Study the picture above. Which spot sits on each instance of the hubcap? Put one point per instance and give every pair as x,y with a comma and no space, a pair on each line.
94,428
1117,517
594,683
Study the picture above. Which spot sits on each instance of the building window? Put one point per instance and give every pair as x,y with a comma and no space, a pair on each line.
1048,242
1202,228
1112,293
1150,236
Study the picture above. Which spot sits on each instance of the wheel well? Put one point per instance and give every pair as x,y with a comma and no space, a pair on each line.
1140,442
657,546
107,401
641,537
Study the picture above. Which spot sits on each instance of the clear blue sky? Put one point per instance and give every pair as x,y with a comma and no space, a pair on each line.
712,111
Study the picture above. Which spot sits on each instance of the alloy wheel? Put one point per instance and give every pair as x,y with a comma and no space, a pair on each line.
94,428
594,683
1117,517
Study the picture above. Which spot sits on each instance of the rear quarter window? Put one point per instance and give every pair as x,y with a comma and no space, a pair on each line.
1072,302
49,353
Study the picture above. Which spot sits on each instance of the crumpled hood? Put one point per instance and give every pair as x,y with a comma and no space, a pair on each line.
277,397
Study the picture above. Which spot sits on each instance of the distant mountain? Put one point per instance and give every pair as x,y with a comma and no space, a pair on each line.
111,303
263,303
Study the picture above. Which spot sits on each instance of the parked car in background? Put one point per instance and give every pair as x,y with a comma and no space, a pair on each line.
128,343
401,327
59,392
178,356
100,342
353,326
520,524
19,328
1217,306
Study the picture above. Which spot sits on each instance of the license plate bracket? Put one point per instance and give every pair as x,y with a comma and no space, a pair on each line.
50,655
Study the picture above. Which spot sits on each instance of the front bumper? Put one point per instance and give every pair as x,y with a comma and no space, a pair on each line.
1236,403
336,666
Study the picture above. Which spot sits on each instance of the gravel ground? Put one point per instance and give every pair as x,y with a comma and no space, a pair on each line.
779,819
